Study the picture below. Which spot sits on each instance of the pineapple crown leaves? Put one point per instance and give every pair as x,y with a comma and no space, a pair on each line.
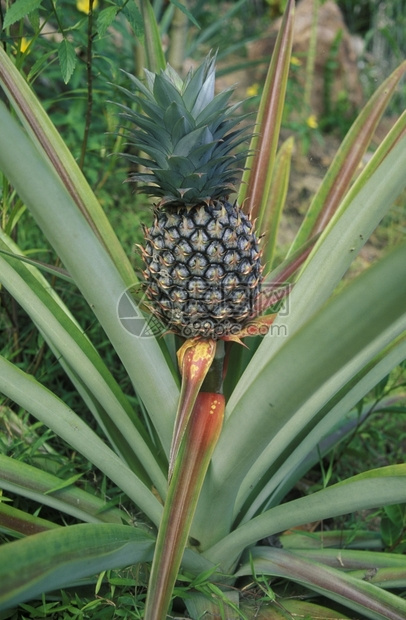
186,135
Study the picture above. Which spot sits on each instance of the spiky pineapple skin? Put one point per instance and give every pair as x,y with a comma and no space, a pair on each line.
202,269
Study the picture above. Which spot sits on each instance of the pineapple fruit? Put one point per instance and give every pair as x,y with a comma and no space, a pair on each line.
202,258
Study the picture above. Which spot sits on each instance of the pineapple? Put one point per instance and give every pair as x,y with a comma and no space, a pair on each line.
202,259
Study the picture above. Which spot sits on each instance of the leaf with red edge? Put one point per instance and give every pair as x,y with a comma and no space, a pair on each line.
257,177
276,202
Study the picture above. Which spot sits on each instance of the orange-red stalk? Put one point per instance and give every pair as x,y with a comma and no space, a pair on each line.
192,461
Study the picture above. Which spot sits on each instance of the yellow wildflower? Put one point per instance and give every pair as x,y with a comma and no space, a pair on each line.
84,6
253,90
23,46
294,60
311,121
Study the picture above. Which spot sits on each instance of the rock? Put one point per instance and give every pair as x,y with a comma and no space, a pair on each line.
343,78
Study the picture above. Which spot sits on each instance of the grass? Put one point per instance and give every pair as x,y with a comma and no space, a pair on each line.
380,439
113,597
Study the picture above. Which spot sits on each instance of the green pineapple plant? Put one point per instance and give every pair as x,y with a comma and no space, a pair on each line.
209,472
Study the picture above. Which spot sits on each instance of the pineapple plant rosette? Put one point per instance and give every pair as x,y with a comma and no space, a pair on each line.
202,259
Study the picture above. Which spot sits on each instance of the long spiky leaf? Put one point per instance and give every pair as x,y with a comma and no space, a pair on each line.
257,177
